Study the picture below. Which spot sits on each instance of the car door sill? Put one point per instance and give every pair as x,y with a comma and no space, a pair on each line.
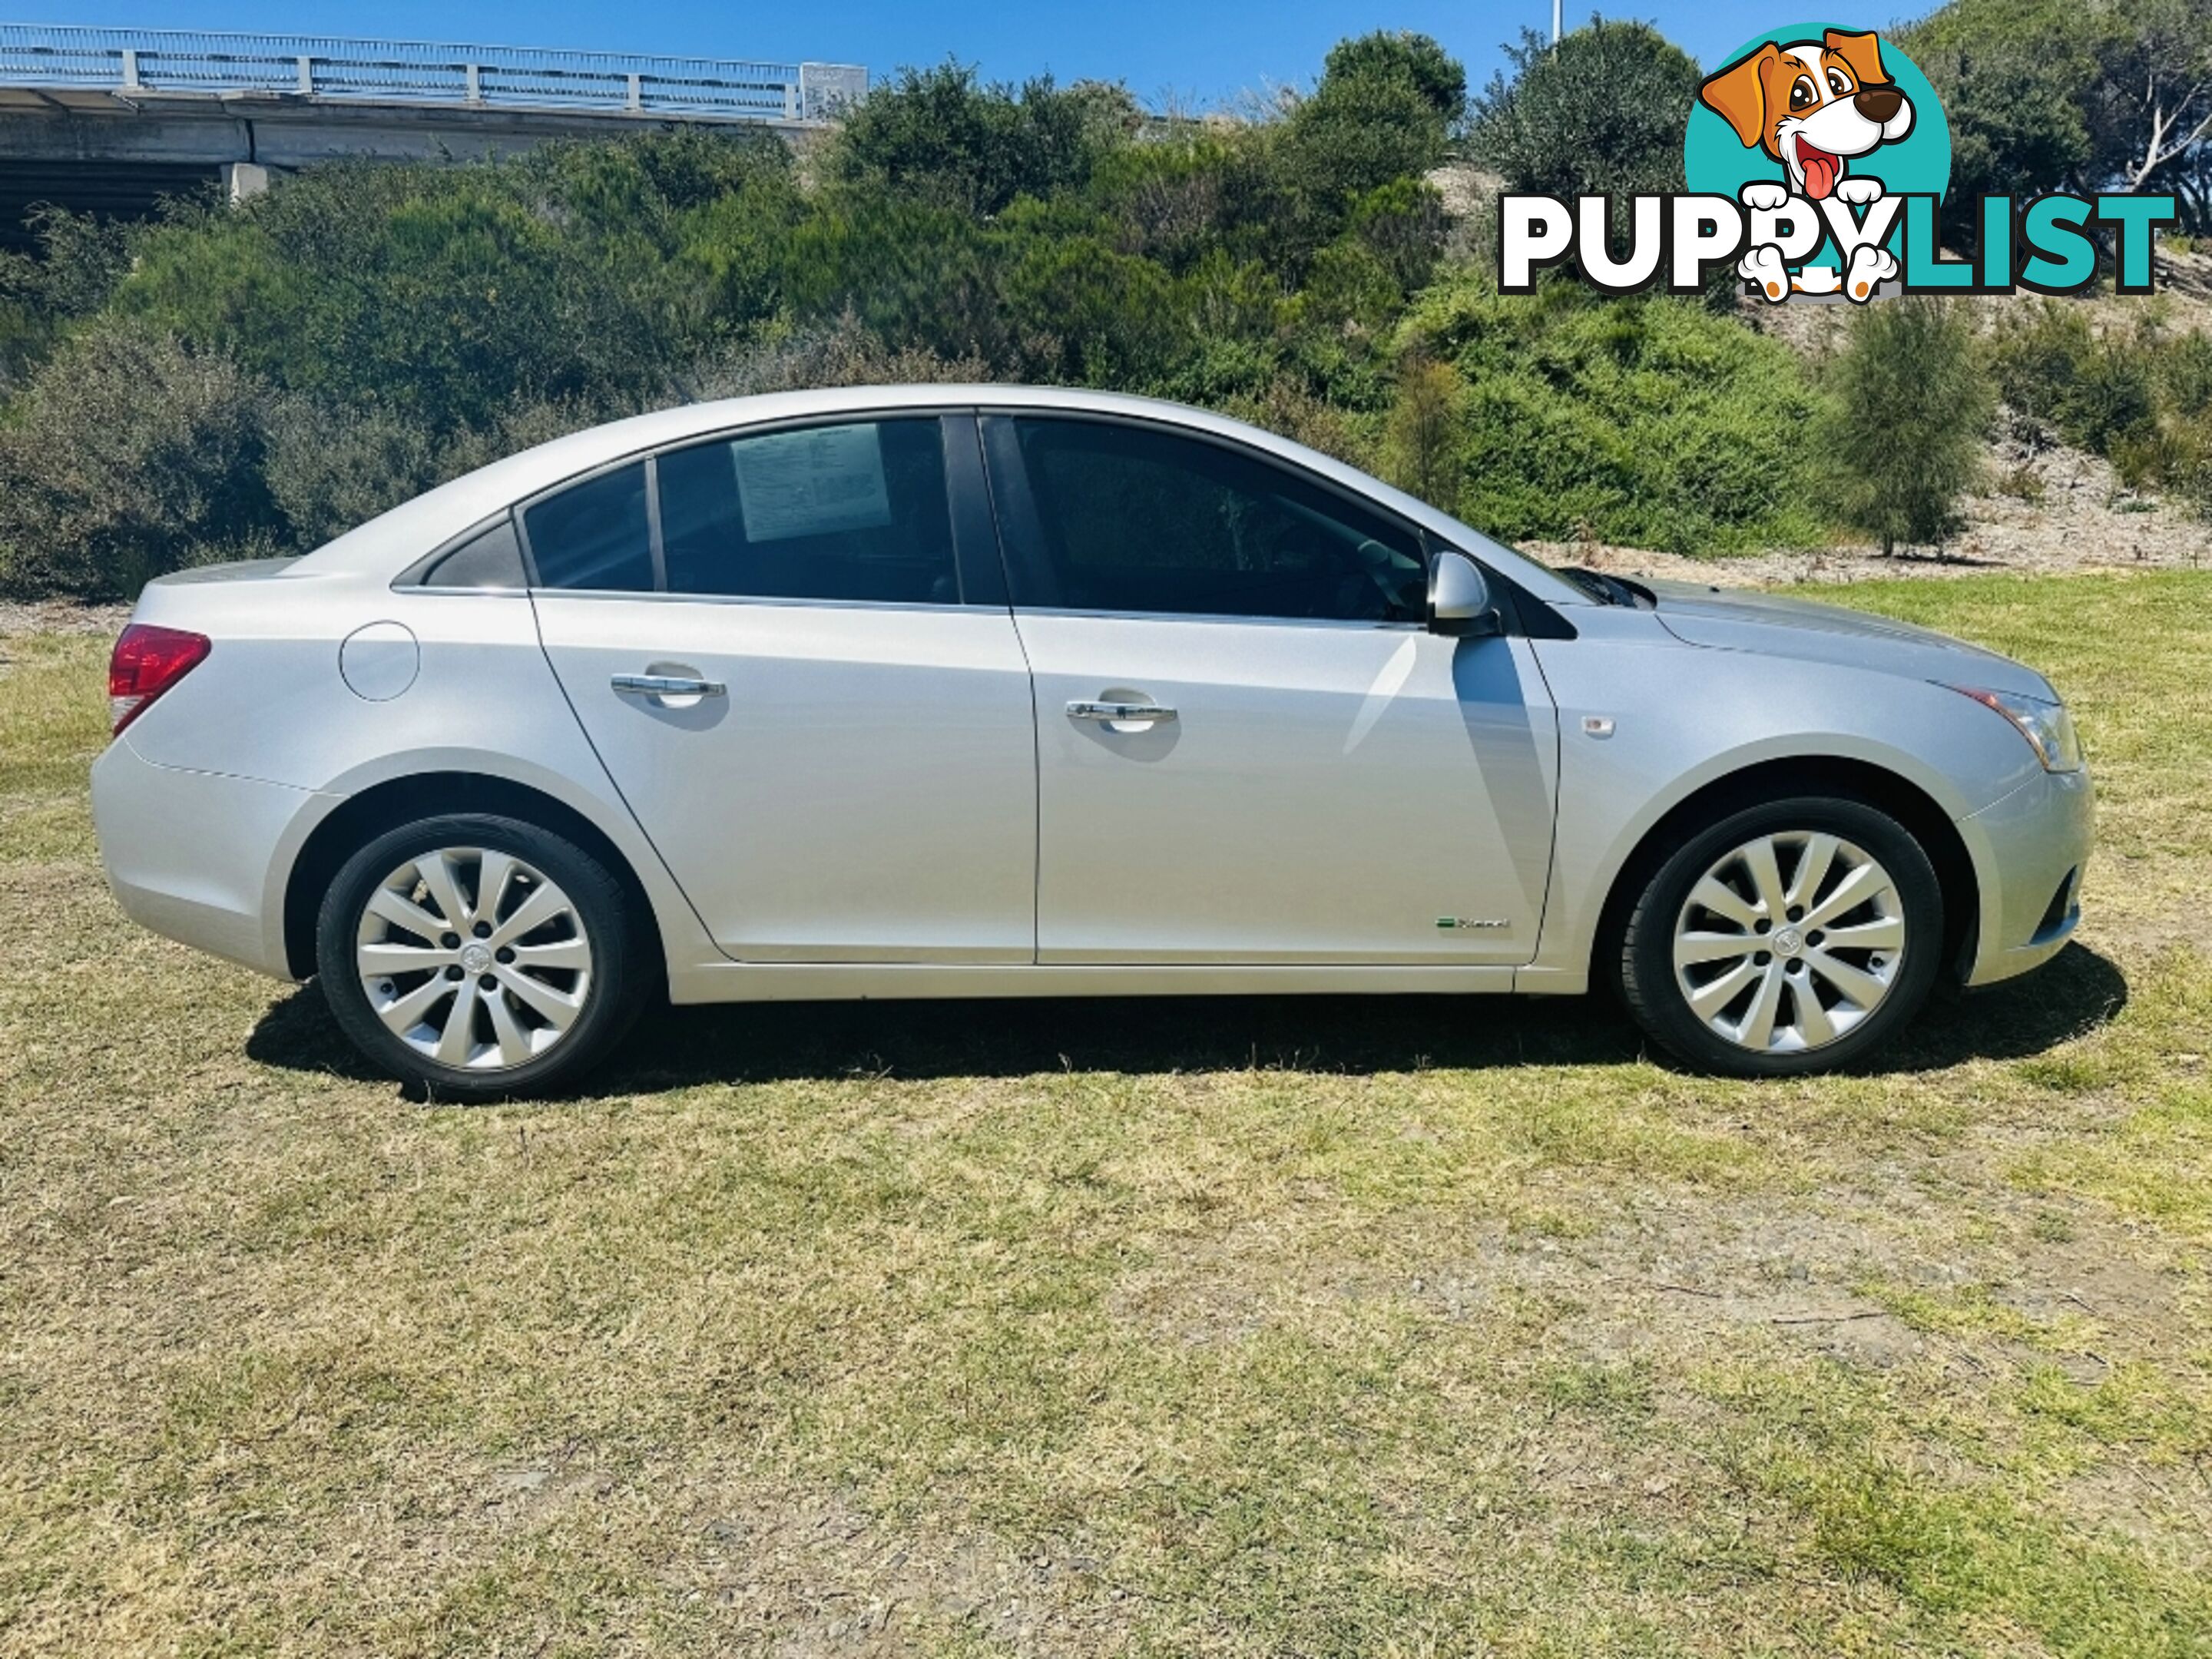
841,981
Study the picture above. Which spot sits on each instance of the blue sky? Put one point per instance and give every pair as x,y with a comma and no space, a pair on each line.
1199,51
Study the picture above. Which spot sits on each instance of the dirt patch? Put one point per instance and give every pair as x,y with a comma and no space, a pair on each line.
60,617
807,1575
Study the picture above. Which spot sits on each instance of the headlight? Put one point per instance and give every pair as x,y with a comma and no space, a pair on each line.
2047,727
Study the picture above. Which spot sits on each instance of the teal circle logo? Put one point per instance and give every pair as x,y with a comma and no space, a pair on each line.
1722,156
1818,109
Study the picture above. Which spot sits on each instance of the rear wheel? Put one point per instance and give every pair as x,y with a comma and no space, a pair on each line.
478,956
1792,936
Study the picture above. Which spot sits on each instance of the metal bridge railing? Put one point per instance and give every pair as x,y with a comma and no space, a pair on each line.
154,61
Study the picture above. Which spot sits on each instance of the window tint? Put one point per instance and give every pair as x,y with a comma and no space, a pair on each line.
857,511
1130,517
490,558
594,534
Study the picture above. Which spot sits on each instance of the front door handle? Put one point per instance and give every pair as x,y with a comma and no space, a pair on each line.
669,685
1119,713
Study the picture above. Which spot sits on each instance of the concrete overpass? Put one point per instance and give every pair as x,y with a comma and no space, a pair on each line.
111,120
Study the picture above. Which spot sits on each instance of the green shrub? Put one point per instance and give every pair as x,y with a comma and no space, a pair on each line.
842,353
914,274
2120,396
329,468
2113,400
1083,313
1903,434
943,136
2185,368
80,261
130,455
2036,357
1652,422
1182,196
2189,470
1284,405
450,293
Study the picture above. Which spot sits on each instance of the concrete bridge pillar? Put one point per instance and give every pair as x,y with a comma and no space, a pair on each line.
243,178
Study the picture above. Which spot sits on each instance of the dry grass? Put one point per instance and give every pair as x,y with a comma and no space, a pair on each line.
1348,1328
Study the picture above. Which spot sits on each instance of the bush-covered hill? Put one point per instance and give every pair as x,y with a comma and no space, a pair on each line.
259,378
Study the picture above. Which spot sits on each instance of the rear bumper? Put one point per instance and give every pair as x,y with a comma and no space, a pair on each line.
2033,848
198,856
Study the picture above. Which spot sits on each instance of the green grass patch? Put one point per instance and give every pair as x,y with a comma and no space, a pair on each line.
1332,1325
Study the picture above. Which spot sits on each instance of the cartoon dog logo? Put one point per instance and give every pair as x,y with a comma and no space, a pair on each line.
1813,106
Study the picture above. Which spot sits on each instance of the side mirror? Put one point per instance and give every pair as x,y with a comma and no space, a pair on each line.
1459,599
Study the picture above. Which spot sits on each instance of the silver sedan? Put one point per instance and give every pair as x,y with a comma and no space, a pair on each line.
990,691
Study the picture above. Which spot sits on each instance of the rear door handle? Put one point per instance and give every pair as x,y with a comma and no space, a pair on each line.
1117,712
669,685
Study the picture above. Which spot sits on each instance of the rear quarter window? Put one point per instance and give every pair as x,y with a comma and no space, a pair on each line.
492,558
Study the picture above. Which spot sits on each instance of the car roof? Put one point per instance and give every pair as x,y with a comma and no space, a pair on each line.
390,544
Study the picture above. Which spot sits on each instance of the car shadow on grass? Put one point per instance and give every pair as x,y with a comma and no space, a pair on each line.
674,1047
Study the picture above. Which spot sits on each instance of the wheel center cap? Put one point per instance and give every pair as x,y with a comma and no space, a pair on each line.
476,957
1788,943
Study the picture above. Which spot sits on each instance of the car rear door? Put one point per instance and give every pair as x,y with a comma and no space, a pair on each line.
1334,783
792,651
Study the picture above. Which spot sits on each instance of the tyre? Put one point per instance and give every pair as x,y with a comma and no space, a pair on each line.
1791,936
479,957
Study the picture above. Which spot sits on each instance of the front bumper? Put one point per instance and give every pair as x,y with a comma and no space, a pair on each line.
198,857
2031,850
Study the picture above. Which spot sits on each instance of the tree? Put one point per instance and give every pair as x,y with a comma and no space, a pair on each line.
1912,400
1423,429
1382,111
1439,77
1601,113
2045,96
2011,74
2156,82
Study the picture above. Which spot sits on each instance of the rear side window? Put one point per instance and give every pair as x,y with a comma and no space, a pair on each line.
595,534
857,511
1130,517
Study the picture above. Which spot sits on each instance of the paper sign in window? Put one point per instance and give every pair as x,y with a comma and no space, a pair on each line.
819,482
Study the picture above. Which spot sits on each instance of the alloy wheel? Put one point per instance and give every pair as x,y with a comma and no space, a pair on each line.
1789,941
474,958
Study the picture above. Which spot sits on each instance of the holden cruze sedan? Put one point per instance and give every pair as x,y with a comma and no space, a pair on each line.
991,691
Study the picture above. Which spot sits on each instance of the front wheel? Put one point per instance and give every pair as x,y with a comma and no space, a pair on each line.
1792,936
478,956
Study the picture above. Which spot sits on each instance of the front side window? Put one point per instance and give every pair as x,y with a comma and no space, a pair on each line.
1131,518
595,534
852,512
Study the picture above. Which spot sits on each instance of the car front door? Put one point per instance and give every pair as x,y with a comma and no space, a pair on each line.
792,651
1250,748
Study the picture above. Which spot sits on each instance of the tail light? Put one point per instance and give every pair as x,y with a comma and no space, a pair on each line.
148,661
